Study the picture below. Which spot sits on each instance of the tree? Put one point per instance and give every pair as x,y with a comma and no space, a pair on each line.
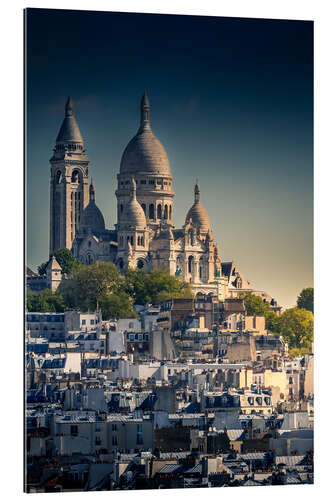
305,299
88,283
136,285
45,301
116,305
296,326
154,287
255,306
65,259
272,322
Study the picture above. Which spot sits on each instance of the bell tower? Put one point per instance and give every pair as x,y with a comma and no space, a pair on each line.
69,185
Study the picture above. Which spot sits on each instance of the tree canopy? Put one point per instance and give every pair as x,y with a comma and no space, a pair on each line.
116,305
87,284
45,301
65,259
154,287
305,299
255,306
296,327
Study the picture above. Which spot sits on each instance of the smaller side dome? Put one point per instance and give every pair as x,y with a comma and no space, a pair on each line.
92,218
133,214
197,213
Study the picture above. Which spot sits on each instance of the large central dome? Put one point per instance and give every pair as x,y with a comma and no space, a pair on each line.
144,153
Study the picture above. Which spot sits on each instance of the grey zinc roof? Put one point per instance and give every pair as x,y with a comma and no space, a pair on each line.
170,468
234,434
197,469
290,460
174,454
253,456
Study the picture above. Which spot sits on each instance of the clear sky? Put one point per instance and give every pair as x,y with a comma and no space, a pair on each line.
231,101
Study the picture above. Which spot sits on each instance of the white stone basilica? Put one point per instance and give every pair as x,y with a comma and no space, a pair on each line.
144,235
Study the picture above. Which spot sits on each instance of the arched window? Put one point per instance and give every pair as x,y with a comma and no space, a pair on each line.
139,241
144,207
121,208
191,237
132,240
201,264
143,240
75,176
166,212
239,283
151,211
170,212
159,211
190,264
58,177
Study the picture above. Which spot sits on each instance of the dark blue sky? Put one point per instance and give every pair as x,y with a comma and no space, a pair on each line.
231,101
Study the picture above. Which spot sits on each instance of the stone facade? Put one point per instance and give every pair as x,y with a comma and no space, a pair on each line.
144,235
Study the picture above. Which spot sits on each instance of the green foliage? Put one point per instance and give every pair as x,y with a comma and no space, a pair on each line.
154,287
88,283
305,299
65,259
254,305
297,352
272,321
101,283
296,327
116,305
42,269
45,301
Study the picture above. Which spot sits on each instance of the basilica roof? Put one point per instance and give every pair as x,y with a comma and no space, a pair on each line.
144,153
92,218
69,130
197,213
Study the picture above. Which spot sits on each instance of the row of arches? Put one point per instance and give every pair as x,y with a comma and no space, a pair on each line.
190,266
160,212
76,176
140,264
140,240
153,212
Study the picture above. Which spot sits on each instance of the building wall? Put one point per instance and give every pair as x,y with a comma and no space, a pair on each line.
309,378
